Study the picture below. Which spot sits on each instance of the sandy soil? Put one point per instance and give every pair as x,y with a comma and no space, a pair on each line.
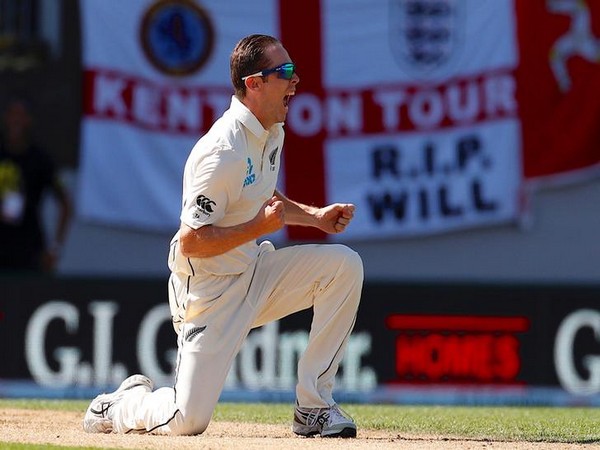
64,428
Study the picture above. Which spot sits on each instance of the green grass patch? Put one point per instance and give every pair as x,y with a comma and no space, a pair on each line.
54,405
529,424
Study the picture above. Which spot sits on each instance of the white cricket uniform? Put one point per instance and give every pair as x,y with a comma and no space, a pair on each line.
215,302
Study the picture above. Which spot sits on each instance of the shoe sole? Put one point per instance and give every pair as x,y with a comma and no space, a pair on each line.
304,430
346,433
307,435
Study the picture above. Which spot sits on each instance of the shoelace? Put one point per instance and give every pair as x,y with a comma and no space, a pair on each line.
315,416
336,413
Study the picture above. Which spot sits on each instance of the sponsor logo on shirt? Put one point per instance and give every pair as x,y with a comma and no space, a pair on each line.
204,207
250,175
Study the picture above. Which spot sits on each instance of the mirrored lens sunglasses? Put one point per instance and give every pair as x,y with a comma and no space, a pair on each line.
285,71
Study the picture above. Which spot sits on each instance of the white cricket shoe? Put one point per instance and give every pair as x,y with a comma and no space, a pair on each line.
328,422
99,415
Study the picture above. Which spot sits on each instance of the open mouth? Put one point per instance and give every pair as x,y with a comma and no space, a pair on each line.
286,99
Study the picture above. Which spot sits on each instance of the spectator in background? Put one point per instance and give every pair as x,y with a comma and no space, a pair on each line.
26,174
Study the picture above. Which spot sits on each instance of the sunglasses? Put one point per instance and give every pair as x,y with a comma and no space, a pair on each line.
285,71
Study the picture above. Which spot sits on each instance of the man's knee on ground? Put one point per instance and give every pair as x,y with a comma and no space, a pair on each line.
188,425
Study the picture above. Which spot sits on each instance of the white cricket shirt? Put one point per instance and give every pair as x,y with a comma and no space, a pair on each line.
230,173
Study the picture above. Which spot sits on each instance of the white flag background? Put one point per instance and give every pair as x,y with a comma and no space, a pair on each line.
428,115
140,123
444,152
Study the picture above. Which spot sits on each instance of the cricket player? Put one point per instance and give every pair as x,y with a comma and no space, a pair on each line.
223,283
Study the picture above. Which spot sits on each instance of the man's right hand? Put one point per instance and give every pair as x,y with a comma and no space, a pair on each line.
272,215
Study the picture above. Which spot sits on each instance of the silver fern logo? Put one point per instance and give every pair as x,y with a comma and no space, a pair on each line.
193,332
272,159
425,35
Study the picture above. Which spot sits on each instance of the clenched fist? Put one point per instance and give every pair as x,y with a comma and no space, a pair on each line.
272,215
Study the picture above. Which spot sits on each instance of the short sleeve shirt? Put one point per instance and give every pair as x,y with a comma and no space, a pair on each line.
229,175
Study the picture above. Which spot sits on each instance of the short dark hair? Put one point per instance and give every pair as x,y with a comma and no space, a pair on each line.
248,57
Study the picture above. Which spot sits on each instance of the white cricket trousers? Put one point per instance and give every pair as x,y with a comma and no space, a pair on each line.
280,282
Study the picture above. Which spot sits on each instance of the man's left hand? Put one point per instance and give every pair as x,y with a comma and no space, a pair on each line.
335,218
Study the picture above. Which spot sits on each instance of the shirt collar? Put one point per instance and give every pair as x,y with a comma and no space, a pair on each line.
244,115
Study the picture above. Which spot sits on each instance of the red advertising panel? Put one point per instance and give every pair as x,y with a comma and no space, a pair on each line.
457,348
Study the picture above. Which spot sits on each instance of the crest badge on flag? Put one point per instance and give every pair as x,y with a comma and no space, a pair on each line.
177,36
425,35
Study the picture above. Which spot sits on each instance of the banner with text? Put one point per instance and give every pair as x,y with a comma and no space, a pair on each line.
73,334
436,143
429,115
